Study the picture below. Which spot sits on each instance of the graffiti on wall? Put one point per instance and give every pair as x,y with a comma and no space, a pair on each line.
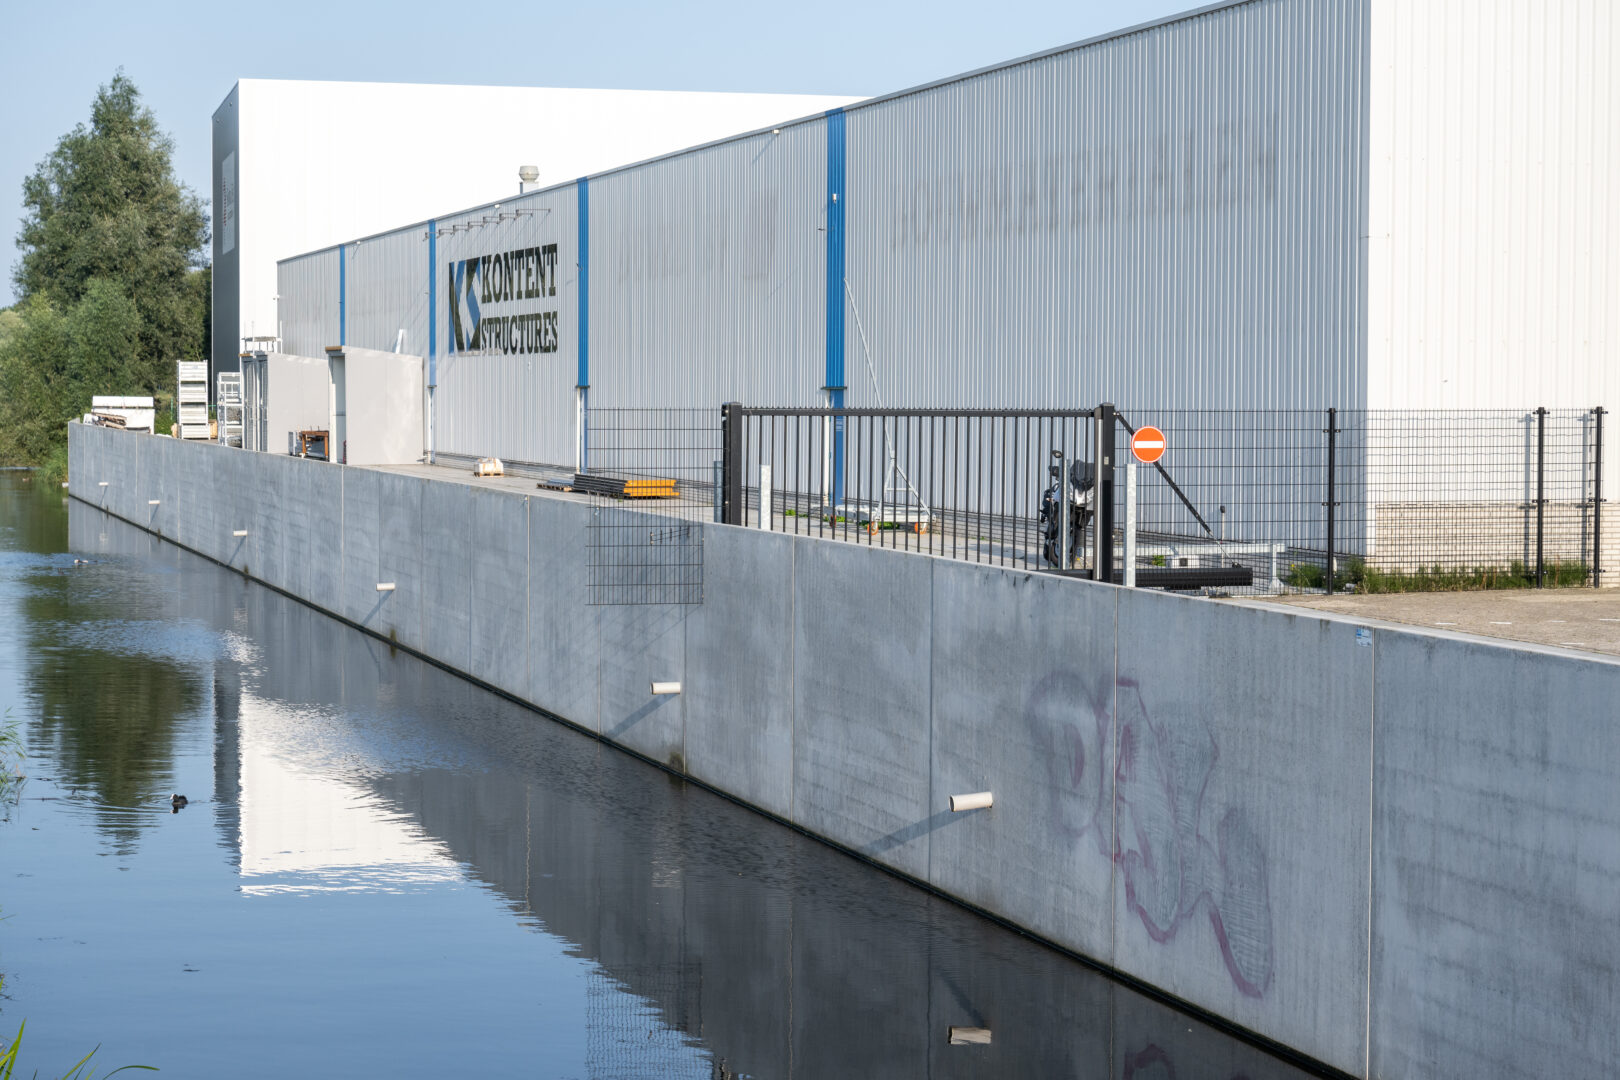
1180,852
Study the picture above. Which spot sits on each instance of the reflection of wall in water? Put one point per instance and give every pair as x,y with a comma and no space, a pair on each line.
784,957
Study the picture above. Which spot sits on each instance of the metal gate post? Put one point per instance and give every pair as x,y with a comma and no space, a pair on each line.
1541,502
1102,565
1065,556
731,444
1597,503
1333,444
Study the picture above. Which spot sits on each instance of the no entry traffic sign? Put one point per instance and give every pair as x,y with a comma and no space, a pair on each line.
1148,444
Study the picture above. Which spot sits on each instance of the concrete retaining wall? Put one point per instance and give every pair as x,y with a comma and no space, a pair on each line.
1397,852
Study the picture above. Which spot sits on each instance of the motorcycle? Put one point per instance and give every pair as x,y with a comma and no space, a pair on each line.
1082,496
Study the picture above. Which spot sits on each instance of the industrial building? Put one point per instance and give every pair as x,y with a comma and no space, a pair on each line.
1262,203
1265,205
301,164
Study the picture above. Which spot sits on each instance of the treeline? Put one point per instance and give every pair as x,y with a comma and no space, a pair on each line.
113,284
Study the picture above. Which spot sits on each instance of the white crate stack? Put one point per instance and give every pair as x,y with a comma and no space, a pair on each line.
228,407
192,399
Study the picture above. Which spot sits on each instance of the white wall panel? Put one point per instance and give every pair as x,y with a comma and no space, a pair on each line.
1494,273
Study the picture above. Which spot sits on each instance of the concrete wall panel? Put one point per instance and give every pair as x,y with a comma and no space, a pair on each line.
739,662
403,613
643,644
500,590
314,547
1243,764
362,504
1496,869
564,632
264,550
862,621
155,481
1023,702
447,559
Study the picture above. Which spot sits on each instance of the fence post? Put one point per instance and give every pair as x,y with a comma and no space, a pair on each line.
1332,471
731,444
1102,567
1541,477
1597,503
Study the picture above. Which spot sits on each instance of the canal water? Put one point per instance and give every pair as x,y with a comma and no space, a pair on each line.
384,870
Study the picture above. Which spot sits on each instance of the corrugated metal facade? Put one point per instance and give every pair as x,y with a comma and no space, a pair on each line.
1176,216
1171,217
707,275
308,292
517,405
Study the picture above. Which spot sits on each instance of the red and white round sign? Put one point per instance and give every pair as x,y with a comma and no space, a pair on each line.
1148,444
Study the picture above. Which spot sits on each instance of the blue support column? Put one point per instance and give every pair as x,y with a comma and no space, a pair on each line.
583,387
835,291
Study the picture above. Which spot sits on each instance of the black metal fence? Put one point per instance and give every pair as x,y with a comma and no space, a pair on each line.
1259,500
966,484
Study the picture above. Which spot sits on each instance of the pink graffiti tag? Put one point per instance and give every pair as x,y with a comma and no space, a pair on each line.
1163,820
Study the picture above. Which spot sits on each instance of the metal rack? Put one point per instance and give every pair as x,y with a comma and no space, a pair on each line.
228,407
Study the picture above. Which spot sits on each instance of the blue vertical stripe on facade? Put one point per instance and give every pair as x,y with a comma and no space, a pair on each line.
836,143
835,256
583,186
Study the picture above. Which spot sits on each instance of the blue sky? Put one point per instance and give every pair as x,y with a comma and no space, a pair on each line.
186,56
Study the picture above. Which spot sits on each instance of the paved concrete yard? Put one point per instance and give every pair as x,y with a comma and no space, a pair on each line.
1574,618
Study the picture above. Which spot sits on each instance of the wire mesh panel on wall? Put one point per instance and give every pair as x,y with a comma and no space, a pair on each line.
651,476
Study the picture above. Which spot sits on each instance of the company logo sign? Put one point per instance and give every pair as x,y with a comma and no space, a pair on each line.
492,307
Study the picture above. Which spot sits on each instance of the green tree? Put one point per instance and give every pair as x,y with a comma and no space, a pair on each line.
34,365
105,205
113,286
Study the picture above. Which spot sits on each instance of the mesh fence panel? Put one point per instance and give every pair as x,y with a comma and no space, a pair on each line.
1388,499
651,476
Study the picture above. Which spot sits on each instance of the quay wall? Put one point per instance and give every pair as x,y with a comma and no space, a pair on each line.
1394,851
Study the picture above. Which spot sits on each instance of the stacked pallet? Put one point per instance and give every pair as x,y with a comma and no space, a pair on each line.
640,487
191,398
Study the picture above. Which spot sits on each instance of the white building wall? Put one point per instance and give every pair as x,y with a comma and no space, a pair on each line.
1494,240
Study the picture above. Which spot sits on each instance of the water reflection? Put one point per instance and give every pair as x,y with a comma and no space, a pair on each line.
360,795
108,724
